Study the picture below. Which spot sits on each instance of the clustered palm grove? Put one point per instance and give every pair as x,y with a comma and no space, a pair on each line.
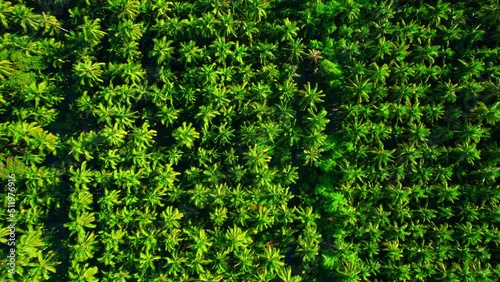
251,140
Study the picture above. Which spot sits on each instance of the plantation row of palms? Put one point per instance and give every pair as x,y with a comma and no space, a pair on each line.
413,154
251,140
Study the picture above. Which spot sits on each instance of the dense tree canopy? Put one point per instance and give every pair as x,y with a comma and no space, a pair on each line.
250,140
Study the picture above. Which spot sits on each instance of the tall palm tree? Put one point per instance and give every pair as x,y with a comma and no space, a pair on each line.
240,52
185,135
227,23
218,97
124,117
24,16
208,74
380,74
289,30
225,135
168,115
384,47
257,158
88,72
6,9
296,49
123,9
360,89
129,31
222,49
45,265
308,22
206,114
266,51
190,52
316,122
408,154
237,239
312,154
83,272
426,53
175,263
467,152
489,114
162,50
49,23
142,136
356,130
160,8
249,29
470,132
5,68
209,25
382,156
310,97
436,12
91,31
418,132
131,72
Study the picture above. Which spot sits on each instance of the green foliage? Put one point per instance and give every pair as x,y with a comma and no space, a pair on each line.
250,140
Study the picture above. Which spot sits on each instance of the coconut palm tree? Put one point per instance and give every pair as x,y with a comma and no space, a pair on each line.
123,9
88,72
237,239
310,97
360,89
142,136
83,272
208,74
490,114
91,31
190,52
289,30
467,152
227,24
209,25
162,50
160,8
240,52
296,49
185,135
222,49
382,156
6,9
265,51
225,135
257,158
23,16
206,114
131,72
